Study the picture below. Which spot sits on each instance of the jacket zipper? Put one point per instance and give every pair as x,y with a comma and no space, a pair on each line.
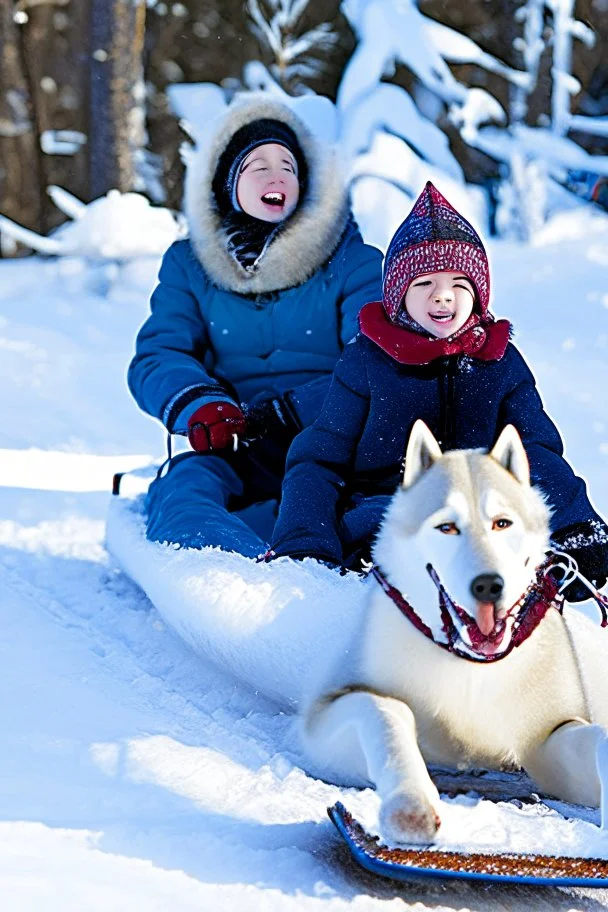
446,403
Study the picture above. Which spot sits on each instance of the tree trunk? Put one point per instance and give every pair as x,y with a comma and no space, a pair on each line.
19,158
117,112
55,50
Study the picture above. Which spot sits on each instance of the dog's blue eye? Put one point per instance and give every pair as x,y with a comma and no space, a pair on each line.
448,528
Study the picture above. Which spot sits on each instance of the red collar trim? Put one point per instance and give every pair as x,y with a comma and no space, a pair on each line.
486,342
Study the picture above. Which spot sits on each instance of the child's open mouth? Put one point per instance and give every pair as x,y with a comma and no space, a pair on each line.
274,199
443,317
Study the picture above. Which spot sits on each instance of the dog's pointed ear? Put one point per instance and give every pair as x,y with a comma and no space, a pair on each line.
509,452
422,451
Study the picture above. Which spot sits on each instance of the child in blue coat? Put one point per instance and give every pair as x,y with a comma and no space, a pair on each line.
248,320
430,349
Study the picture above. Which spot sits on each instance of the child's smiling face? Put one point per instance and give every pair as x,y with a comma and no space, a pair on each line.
267,186
440,302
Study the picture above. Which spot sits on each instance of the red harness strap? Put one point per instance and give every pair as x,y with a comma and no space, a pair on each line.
540,596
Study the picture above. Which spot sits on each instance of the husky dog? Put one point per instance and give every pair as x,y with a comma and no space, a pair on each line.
461,662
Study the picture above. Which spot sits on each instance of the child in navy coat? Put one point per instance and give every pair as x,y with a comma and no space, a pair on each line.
430,349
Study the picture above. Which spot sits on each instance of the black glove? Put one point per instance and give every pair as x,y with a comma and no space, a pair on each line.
272,417
587,543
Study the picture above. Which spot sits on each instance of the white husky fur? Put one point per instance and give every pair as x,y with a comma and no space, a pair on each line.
395,700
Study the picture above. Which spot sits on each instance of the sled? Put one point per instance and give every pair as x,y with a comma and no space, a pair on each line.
259,622
420,863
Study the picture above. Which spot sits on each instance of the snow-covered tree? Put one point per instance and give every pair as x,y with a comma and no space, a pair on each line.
388,134
537,160
297,55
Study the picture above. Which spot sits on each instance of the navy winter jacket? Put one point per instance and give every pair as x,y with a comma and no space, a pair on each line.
357,445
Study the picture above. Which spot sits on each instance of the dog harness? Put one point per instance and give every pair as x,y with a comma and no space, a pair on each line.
462,636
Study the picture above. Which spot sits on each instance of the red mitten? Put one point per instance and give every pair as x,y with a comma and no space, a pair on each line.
213,426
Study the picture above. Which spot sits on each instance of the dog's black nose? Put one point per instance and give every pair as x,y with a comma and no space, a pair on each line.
487,587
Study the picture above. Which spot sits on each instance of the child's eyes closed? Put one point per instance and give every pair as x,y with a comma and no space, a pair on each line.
427,282
289,170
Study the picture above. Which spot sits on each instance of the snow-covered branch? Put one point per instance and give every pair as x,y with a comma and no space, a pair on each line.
297,56
596,126
458,48
117,226
391,33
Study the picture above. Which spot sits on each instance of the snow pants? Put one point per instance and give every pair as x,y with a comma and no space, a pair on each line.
200,499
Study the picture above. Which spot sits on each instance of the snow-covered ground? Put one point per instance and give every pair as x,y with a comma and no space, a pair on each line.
135,775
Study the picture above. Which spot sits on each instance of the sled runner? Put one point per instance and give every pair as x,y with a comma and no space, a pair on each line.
428,863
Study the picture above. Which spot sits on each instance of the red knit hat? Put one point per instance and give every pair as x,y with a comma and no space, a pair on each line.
434,238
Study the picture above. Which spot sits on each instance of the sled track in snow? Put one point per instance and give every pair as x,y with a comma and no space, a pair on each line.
121,626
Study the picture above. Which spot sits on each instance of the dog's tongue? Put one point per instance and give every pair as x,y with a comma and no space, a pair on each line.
485,617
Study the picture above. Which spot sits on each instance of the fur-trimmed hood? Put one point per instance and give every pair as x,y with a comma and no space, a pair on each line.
308,237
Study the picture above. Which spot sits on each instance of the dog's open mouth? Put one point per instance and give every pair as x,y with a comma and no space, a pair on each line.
485,643
486,635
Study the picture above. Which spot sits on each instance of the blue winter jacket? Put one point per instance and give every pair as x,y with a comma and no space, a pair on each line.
220,330
203,342
355,449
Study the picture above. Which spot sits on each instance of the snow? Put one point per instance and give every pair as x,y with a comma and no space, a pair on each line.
118,226
559,152
61,142
389,33
259,621
388,108
198,103
391,171
138,772
276,28
480,107
459,48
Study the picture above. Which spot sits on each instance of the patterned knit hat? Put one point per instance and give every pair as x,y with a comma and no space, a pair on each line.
254,134
434,238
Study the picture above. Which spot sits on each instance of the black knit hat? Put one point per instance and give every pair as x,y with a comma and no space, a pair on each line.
254,134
